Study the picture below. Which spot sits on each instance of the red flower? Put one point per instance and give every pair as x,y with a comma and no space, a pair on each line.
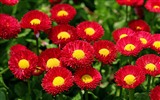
130,2
62,13
156,42
63,34
155,93
77,54
9,2
129,46
105,51
121,33
16,48
87,78
139,25
50,58
153,5
22,64
129,76
150,64
90,31
57,80
145,38
36,20
9,26
55,1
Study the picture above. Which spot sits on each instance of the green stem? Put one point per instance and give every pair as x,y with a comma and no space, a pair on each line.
37,43
131,94
29,88
86,95
149,83
14,9
121,90
4,70
126,14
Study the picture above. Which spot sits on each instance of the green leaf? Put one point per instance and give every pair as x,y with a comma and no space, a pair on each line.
77,97
141,96
20,89
2,95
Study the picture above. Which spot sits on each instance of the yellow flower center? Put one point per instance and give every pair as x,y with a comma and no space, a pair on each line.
78,54
156,7
143,40
53,62
150,67
130,79
23,63
87,78
104,52
156,44
62,13
35,21
58,81
129,47
138,28
123,35
89,31
63,35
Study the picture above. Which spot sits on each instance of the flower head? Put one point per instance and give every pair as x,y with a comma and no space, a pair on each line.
130,2
139,25
77,54
155,93
16,48
57,80
23,63
129,46
9,2
87,78
121,33
63,34
62,13
145,38
155,45
90,31
129,76
9,26
36,20
150,64
55,1
105,51
153,6
50,58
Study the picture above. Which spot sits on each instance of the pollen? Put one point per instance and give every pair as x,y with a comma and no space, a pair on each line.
156,7
58,81
87,78
78,54
130,79
63,35
89,31
62,13
156,44
123,35
138,28
143,40
150,67
35,21
52,62
129,47
23,64
104,52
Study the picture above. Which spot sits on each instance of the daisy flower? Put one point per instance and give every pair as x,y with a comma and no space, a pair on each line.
153,5
9,26
150,64
129,46
155,93
36,20
139,25
9,2
57,80
87,78
105,51
22,64
63,34
155,45
50,58
129,77
121,33
77,54
62,13
145,38
90,31
130,2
